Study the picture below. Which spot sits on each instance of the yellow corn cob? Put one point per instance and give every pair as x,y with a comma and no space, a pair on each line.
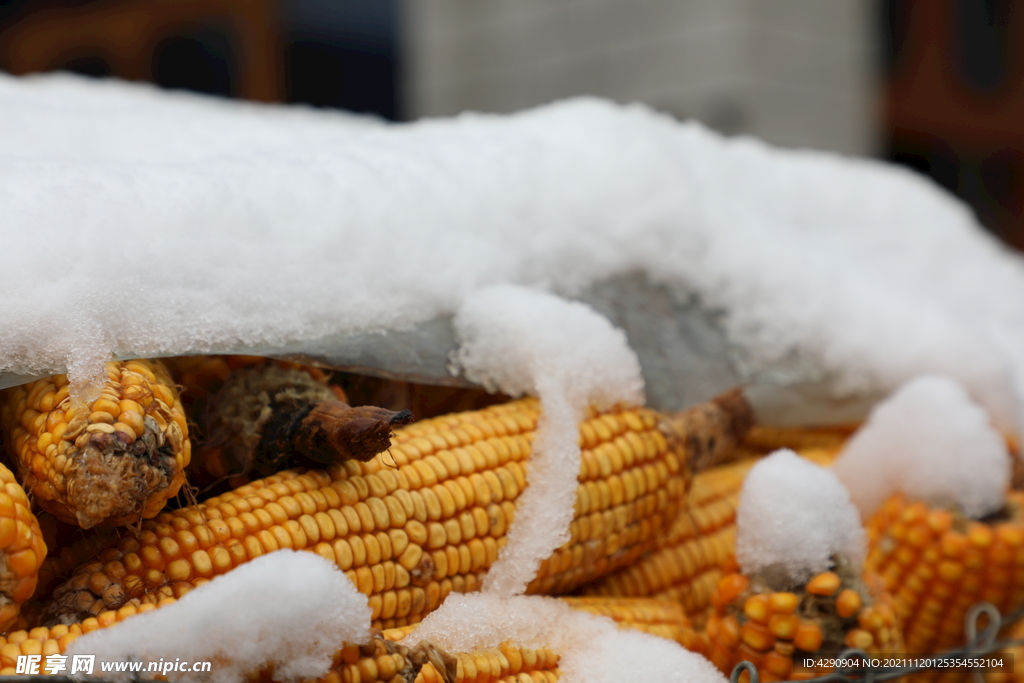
66,557
508,664
762,439
688,562
937,564
381,660
691,556
22,549
662,618
115,461
413,524
776,631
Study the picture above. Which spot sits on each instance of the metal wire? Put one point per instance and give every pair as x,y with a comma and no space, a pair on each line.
978,643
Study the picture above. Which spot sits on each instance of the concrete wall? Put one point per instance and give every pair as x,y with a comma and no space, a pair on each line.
794,72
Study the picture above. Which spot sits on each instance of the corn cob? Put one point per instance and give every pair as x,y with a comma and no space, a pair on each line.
776,630
67,556
114,461
413,524
383,659
937,564
662,618
688,563
761,439
201,377
691,556
275,416
22,549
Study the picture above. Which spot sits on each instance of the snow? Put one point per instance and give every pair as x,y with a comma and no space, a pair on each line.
522,341
144,222
932,442
592,648
793,517
289,609
141,222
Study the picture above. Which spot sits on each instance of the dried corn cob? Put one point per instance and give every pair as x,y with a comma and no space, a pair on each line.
68,555
662,618
688,563
777,630
203,376
271,417
22,549
115,461
411,525
691,556
762,439
937,564
384,658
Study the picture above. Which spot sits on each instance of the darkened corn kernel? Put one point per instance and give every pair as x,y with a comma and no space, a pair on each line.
777,630
413,524
113,461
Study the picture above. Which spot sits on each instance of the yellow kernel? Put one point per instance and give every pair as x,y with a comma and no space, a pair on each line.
848,603
826,583
783,603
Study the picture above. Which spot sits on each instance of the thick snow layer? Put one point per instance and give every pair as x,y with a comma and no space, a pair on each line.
592,649
933,443
522,341
138,221
289,609
793,516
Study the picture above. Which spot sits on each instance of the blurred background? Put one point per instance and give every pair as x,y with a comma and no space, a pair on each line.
937,85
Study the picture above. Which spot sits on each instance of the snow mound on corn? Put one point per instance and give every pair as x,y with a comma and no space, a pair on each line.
288,609
932,442
522,341
145,222
591,648
793,517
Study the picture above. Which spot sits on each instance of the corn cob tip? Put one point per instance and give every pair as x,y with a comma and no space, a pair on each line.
270,418
115,460
710,432
334,431
114,477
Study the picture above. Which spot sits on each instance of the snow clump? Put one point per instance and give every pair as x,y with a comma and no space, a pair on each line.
932,442
793,517
288,609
